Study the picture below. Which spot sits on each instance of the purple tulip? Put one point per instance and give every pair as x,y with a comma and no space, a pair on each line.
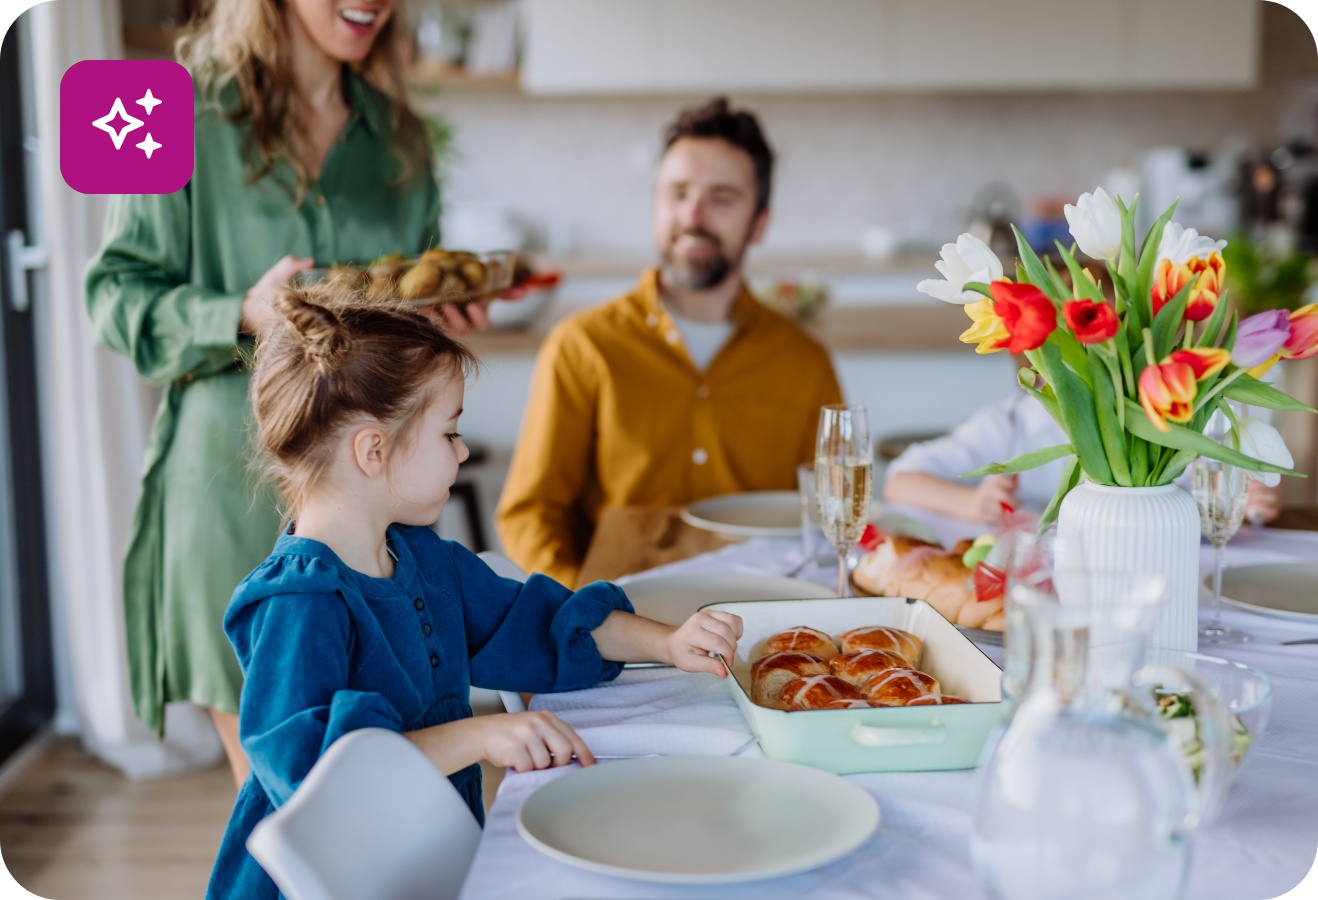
1259,337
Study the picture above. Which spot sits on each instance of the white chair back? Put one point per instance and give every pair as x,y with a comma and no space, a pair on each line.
374,820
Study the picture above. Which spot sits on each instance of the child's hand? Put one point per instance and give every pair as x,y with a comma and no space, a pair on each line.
531,740
691,643
1262,503
989,495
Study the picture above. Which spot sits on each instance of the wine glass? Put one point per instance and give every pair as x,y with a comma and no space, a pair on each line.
1219,492
844,479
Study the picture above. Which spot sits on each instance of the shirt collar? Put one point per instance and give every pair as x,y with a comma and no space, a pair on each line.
368,104
745,309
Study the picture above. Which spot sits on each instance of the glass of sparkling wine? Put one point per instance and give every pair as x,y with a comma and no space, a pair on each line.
1219,492
844,479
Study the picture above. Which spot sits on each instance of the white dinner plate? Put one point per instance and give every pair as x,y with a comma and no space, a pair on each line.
777,514
698,819
1286,590
752,514
672,599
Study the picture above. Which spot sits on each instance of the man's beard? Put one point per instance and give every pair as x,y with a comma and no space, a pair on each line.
700,274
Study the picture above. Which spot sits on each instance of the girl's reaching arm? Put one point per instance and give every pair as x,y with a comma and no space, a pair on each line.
520,741
627,637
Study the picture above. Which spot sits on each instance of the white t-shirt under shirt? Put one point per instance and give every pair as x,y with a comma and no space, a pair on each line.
703,340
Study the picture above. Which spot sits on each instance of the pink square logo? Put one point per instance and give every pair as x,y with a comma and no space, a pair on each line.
126,126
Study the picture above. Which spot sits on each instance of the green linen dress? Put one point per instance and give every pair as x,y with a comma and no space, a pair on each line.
166,290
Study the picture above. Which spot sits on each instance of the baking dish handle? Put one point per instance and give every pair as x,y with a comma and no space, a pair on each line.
872,736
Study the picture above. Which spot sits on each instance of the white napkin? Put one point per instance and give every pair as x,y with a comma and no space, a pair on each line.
662,740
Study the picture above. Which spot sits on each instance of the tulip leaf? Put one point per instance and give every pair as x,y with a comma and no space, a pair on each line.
1177,463
1031,460
1083,286
1070,478
1149,254
1213,327
1229,336
1063,292
977,286
1126,262
1109,427
1178,437
1248,389
1035,272
1168,321
1075,401
1139,457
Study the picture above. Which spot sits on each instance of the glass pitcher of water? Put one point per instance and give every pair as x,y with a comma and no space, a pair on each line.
1085,794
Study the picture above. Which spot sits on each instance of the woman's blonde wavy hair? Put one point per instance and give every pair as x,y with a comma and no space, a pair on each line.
245,42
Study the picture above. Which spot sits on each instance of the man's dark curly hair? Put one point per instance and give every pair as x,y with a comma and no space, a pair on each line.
740,128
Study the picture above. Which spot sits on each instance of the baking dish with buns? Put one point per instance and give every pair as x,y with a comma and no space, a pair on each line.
833,713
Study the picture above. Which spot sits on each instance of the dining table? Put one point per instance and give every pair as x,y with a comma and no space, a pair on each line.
1261,845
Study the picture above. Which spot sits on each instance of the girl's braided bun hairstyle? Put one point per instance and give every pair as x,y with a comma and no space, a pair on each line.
337,360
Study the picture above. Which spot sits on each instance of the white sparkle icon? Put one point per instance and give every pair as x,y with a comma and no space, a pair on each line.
117,111
148,146
149,102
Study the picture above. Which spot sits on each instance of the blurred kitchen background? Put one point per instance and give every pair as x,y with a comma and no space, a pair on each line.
897,124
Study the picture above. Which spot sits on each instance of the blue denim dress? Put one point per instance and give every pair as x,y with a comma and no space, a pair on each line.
326,650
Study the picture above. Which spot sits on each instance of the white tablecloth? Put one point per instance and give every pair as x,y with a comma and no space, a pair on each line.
1262,845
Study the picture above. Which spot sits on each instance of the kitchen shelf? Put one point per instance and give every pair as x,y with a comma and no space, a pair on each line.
428,76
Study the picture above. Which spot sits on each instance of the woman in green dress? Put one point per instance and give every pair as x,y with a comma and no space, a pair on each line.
306,154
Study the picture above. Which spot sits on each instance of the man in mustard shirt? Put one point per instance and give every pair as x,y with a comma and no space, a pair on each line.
686,387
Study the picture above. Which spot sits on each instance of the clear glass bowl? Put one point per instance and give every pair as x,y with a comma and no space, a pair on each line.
1245,691
447,276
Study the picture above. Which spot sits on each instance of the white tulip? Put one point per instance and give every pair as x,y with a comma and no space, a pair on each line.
1183,244
1261,441
969,259
1095,224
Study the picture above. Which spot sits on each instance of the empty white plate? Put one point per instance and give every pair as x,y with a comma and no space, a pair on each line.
672,599
1286,590
698,819
752,514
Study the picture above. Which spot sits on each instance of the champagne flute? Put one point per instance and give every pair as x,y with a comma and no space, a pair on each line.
844,479
1219,492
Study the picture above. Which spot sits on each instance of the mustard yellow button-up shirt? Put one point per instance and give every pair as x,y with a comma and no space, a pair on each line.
619,416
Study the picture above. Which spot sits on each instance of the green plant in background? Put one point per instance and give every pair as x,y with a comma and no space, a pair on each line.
1261,279
442,134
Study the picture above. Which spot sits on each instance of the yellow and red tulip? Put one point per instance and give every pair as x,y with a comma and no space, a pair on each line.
988,334
1205,274
1303,340
1205,362
1167,391
1026,313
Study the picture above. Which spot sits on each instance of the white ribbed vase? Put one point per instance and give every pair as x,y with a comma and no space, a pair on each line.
1144,530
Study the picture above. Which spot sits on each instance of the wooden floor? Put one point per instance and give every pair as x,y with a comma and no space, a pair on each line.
72,827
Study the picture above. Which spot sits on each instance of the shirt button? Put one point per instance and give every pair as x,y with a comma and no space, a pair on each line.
672,337
419,604
652,320
699,456
702,391
425,629
434,661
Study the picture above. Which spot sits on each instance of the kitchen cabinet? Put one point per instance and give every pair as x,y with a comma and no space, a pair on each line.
689,46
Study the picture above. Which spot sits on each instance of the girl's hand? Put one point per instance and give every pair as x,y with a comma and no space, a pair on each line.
258,315
531,740
1262,503
988,496
691,643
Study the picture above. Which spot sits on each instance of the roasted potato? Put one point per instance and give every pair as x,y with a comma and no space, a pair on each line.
420,281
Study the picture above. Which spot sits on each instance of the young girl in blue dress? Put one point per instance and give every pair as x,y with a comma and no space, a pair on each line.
362,617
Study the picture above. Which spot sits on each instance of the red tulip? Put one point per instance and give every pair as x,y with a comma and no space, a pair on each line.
1092,323
1026,313
1167,392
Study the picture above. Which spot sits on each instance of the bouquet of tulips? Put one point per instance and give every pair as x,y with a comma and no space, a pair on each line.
1131,366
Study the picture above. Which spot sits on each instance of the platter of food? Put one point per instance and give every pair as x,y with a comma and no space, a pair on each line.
698,819
435,277
880,684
